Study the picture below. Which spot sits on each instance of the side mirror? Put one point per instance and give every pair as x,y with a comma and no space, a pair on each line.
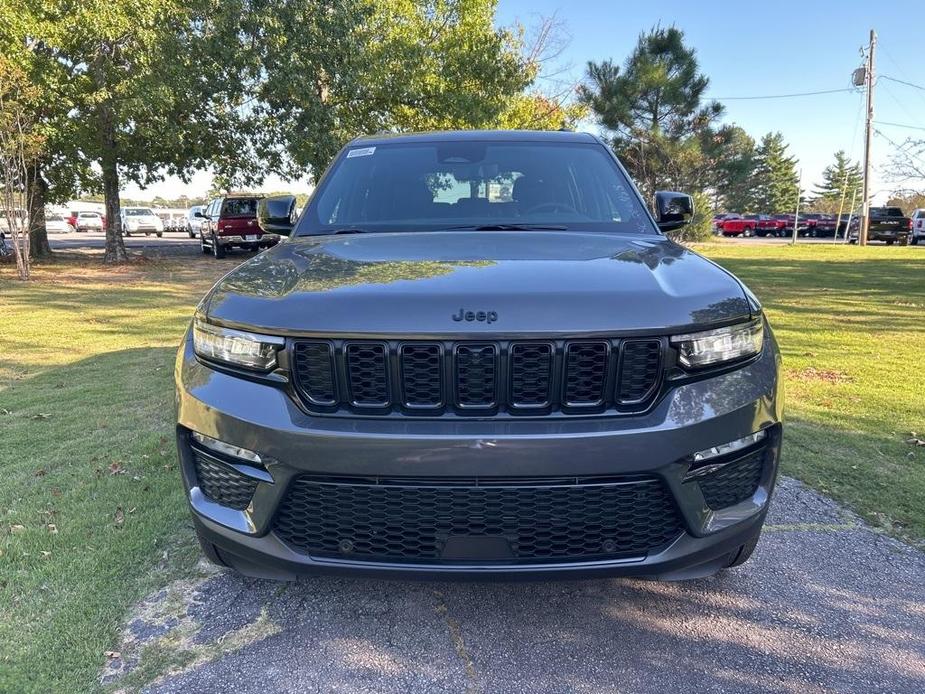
673,210
200,214
276,215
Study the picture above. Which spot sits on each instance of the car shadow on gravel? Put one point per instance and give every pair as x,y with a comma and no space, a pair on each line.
825,604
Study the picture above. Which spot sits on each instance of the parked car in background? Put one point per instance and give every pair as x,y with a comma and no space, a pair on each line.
918,227
825,225
737,225
55,223
89,221
141,220
766,225
887,224
17,213
231,222
193,221
719,218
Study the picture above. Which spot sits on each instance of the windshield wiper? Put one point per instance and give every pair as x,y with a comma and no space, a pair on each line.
350,230
508,227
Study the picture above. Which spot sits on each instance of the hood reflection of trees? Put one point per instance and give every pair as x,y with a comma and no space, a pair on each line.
273,275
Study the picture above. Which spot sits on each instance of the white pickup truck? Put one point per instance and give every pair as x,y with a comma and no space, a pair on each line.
918,226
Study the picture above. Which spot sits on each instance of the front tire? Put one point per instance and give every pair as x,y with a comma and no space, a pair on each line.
160,234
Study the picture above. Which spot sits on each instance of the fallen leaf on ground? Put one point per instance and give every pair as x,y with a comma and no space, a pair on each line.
52,528
915,441
41,415
119,518
112,655
116,469
16,528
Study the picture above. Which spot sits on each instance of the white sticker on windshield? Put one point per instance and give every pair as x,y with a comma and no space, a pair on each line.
363,152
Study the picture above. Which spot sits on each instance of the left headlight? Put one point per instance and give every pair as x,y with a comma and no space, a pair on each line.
236,347
712,347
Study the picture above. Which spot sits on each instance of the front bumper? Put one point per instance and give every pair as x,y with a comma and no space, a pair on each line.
261,241
690,417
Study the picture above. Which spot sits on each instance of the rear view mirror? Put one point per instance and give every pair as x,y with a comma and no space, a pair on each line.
673,210
276,215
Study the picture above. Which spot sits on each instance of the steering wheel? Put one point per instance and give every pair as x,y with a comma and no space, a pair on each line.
552,207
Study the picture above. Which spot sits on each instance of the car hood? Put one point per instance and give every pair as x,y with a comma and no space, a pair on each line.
431,283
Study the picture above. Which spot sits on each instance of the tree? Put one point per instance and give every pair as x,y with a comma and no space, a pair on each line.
21,145
908,200
653,108
908,162
390,65
841,183
140,98
776,180
729,167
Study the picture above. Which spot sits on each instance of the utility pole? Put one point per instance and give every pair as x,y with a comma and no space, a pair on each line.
796,212
865,200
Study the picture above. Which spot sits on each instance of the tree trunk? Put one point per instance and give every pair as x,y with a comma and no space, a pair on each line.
36,196
115,247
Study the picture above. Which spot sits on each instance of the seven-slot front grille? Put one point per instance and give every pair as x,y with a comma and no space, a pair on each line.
519,377
516,521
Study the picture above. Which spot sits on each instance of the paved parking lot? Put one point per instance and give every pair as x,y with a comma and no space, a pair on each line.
826,604
172,243
175,243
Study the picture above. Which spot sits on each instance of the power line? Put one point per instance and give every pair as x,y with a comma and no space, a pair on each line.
899,125
908,84
781,96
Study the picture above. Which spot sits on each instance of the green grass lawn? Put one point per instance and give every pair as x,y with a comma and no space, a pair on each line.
93,517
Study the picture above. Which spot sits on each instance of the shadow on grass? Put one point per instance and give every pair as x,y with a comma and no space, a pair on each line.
90,478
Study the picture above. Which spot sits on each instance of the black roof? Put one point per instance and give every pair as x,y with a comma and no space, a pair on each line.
477,135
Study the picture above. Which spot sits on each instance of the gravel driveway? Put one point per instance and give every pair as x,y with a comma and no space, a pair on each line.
825,604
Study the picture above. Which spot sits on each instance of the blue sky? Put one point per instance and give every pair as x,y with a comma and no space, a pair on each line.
750,49
781,47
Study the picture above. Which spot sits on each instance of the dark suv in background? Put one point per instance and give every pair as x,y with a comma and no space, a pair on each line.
477,354
231,222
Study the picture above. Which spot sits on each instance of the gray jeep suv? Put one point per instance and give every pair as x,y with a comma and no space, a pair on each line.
478,355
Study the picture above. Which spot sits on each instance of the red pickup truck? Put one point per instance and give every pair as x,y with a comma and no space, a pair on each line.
737,225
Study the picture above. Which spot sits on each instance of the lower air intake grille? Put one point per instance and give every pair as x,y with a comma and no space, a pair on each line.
222,483
733,483
520,522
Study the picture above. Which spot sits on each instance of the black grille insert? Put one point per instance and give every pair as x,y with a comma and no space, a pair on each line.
585,373
476,376
531,374
314,372
222,483
734,482
422,375
368,374
477,379
640,369
412,520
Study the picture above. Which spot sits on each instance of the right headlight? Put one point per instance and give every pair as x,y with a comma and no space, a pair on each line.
712,347
236,347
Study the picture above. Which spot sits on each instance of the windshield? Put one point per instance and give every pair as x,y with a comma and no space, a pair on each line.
138,212
466,183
